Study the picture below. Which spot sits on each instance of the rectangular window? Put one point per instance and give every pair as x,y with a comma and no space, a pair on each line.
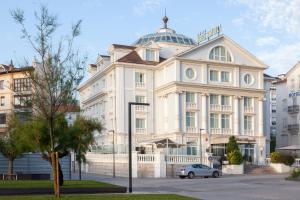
247,102
140,99
190,119
225,100
2,118
2,101
214,120
1,84
22,101
213,75
150,55
139,123
190,97
225,121
224,76
213,100
139,77
247,122
22,84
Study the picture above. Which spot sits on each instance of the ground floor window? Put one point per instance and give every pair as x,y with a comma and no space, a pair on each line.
218,149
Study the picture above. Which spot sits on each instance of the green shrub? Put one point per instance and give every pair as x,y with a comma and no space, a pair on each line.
235,157
276,157
295,173
231,145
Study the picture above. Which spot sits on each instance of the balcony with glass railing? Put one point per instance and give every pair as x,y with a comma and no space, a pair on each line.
293,109
293,128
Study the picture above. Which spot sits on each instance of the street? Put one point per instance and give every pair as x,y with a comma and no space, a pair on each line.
245,187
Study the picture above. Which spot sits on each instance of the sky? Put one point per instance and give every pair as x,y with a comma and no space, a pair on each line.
269,29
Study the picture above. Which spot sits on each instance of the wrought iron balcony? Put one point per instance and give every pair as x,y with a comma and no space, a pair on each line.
293,128
293,109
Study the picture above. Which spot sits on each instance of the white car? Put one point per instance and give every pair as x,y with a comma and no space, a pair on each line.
193,170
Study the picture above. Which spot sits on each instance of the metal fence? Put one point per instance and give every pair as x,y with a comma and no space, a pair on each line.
32,163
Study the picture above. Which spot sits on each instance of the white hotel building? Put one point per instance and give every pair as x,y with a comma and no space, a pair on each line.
216,85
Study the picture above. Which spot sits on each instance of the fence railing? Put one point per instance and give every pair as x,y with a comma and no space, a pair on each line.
297,162
176,159
146,158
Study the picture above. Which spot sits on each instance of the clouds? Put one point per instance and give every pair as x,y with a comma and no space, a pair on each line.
279,22
144,6
266,41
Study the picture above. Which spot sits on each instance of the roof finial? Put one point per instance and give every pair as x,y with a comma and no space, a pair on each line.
165,19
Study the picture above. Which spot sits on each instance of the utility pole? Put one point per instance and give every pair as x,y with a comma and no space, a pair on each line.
200,144
130,142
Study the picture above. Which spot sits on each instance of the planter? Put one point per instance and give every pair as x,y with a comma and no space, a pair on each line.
280,167
233,169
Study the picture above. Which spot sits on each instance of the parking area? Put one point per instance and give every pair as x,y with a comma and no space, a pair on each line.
245,187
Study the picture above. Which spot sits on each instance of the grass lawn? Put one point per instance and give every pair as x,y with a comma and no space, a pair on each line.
101,197
49,184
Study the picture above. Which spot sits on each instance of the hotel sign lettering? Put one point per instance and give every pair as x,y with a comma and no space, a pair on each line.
294,94
206,35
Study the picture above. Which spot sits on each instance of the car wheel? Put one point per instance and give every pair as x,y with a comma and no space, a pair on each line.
191,175
215,174
182,177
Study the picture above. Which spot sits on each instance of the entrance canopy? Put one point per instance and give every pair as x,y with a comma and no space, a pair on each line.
163,143
291,147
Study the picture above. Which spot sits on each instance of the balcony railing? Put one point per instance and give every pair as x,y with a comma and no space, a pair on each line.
248,132
140,108
140,84
225,131
293,109
248,109
294,128
140,130
191,129
191,105
217,107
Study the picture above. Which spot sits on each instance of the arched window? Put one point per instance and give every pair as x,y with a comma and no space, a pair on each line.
220,53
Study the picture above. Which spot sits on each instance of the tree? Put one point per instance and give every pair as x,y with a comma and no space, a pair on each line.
232,145
234,155
81,137
58,71
13,144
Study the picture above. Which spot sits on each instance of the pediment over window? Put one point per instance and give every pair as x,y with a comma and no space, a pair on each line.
224,50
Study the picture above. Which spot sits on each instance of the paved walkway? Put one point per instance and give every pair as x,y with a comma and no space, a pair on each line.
244,187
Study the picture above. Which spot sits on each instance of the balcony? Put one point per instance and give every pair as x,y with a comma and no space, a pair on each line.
191,129
140,108
293,128
225,131
248,132
216,107
293,109
140,130
191,105
139,84
248,109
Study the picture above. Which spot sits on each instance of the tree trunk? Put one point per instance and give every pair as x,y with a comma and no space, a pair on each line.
10,168
61,176
79,169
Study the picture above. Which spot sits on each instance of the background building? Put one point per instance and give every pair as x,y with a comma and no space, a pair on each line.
270,112
215,86
288,92
15,88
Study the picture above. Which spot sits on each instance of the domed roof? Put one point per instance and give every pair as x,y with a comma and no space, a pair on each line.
165,34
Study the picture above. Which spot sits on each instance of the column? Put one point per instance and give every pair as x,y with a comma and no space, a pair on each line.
204,115
236,112
260,117
177,112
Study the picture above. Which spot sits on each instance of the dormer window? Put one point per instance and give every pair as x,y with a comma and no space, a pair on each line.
220,53
150,55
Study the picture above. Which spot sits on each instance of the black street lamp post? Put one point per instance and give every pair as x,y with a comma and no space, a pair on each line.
130,141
